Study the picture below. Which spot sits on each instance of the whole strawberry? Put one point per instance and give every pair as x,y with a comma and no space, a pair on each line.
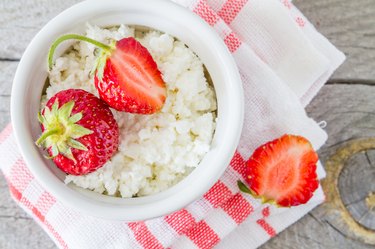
79,131
126,76
283,171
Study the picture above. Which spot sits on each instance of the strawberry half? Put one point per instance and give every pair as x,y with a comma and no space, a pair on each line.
283,171
131,80
126,76
79,131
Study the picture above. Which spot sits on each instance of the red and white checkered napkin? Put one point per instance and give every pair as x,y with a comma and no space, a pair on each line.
283,62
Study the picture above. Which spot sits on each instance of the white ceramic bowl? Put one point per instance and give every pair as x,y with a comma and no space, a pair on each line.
162,15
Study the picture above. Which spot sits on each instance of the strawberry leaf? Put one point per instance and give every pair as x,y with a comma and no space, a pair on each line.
79,131
66,110
101,61
55,150
75,118
77,145
61,130
243,187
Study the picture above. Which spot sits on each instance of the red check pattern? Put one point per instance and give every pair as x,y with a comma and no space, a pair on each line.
195,226
144,237
230,10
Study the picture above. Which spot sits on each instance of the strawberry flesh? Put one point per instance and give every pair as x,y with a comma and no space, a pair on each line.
284,171
131,80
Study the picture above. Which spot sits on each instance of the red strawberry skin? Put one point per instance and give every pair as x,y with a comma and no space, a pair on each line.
101,144
131,80
284,171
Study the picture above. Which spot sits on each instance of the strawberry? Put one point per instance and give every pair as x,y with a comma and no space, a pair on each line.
131,80
283,171
79,131
126,76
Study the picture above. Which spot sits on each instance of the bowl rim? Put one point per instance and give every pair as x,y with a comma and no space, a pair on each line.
146,207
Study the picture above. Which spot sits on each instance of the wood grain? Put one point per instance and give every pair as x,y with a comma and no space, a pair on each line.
360,169
7,69
20,20
347,104
350,25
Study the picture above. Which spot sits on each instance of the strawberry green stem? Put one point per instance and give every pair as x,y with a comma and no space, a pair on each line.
61,130
47,134
243,187
63,38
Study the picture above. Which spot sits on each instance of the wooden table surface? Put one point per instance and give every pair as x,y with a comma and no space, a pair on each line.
346,102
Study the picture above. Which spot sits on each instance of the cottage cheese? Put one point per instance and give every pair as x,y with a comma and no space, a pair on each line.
156,151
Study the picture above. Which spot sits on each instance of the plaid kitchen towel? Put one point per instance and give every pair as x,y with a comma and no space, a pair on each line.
283,62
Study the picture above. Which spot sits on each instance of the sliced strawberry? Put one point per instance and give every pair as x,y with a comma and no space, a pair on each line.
131,80
284,171
126,76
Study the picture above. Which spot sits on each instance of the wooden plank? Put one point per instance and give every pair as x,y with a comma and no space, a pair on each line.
350,25
7,70
360,171
347,108
20,20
